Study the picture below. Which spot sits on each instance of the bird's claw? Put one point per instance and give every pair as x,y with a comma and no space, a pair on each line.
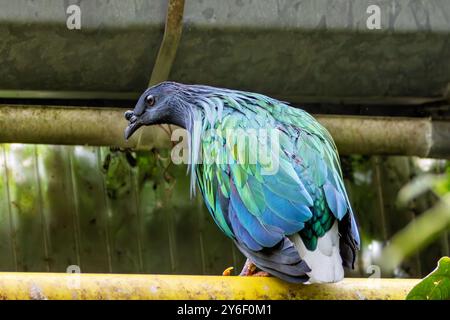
249,269
227,271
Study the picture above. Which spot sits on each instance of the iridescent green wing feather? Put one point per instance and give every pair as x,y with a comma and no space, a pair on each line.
257,206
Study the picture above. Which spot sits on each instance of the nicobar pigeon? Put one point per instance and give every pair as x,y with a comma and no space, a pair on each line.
294,223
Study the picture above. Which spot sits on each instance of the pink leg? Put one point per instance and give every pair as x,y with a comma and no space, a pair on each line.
250,269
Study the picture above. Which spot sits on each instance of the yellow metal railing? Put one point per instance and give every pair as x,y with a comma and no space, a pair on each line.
118,286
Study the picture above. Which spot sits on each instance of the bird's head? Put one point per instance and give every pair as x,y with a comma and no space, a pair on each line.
160,104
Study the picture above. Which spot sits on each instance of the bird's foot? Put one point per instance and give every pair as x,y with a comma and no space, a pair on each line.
250,269
227,271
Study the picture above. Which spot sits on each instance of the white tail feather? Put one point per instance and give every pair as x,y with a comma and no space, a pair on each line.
325,261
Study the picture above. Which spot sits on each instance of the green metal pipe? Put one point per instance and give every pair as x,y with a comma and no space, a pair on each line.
104,127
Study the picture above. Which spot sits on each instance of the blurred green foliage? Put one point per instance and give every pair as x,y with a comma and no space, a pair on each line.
428,226
442,186
110,210
436,286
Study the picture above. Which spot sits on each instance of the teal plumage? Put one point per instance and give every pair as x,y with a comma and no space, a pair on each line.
308,157
259,209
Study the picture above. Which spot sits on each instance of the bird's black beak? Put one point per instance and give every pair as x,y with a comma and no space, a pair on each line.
133,124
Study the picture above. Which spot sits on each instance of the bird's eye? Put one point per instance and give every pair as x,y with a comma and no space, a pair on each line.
150,100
